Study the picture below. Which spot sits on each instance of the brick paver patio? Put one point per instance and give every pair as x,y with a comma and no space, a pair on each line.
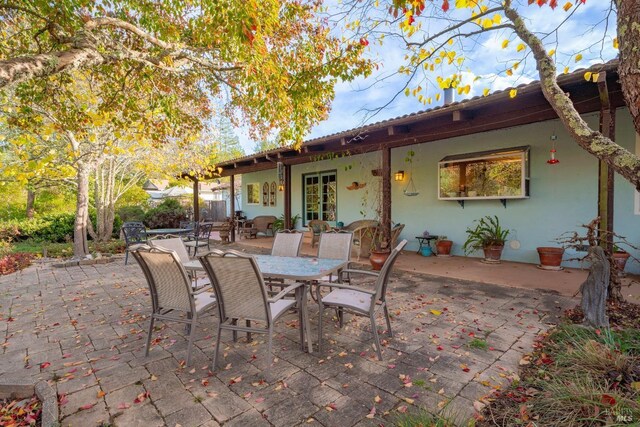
83,329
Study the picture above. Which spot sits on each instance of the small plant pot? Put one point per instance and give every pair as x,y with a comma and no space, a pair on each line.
444,247
426,251
378,258
493,253
550,258
621,257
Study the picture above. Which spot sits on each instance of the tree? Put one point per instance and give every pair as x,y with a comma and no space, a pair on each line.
436,36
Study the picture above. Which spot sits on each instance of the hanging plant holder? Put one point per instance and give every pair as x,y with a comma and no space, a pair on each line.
410,190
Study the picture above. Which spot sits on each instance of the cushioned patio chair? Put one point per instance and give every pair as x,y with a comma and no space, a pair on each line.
201,239
242,298
176,244
135,233
360,301
171,296
317,227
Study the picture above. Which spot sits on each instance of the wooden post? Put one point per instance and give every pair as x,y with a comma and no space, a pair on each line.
196,201
287,197
606,175
232,205
386,195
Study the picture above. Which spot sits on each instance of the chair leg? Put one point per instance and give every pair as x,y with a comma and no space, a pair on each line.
146,350
215,355
386,315
248,323
376,338
192,328
320,314
235,333
267,370
126,256
340,316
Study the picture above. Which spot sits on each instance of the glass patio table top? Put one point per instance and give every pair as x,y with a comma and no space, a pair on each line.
159,231
295,268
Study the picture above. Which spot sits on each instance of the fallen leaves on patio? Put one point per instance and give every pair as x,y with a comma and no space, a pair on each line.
20,412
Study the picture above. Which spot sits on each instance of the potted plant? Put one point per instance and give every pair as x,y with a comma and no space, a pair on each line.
550,258
379,251
487,235
443,246
620,256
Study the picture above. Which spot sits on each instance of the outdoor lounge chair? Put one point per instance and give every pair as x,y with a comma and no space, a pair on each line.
242,298
171,295
260,224
317,227
360,301
201,239
175,243
135,233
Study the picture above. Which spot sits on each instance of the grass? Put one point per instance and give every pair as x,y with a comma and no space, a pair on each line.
577,377
478,343
422,418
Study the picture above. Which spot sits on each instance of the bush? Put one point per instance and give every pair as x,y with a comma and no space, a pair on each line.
167,214
52,228
131,213
14,262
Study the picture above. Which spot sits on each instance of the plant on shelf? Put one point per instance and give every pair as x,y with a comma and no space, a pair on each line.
279,223
443,246
487,235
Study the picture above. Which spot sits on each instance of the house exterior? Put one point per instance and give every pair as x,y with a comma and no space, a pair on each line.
460,162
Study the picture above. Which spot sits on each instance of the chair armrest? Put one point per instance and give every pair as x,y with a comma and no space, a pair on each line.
365,272
343,286
284,292
207,288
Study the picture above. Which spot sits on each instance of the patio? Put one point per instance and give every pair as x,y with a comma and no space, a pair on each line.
83,328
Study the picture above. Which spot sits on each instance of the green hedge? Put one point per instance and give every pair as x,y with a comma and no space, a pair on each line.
52,228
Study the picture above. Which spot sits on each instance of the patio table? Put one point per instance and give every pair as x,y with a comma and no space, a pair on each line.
300,269
165,231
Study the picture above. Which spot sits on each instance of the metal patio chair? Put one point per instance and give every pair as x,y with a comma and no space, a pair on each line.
335,245
135,233
287,243
242,296
359,301
171,296
176,244
317,227
201,239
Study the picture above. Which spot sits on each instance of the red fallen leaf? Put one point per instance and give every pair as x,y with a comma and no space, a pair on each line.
45,365
141,397
445,5
259,400
491,348
11,319
123,405
204,382
331,407
439,348
87,406
607,399
391,366
598,332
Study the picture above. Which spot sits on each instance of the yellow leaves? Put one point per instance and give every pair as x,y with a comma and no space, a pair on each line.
509,72
566,70
520,47
513,93
567,6
505,43
552,52
435,312
437,97
615,43
578,57
407,91
485,92
497,19
487,23
589,76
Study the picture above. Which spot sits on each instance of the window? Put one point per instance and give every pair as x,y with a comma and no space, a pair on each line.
253,194
320,196
496,174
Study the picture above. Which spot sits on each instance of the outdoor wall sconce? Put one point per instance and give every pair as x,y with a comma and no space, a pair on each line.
399,176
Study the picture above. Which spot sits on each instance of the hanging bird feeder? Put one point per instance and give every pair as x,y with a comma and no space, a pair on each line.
552,160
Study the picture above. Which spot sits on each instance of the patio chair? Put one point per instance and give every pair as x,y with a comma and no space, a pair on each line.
135,233
242,295
360,301
363,231
287,243
177,245
395,234
192,225
171,296
202,238
335,245
317,227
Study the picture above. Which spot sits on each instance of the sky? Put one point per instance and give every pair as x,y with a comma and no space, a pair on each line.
587,29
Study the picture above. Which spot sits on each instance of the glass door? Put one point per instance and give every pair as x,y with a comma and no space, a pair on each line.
320,197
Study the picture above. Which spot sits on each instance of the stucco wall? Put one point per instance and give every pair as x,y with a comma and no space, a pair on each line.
562,196
260,178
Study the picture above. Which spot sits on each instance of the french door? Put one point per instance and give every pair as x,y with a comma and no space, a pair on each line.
320,197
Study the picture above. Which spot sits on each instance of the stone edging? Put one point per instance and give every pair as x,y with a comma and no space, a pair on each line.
75,263
16,388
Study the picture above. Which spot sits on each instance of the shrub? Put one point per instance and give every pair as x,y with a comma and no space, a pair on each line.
53,228
167,214
131,213
14,262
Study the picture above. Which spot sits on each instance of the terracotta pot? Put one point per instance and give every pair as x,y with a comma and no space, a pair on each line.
378,258
444,247
621,257
550,258
493,253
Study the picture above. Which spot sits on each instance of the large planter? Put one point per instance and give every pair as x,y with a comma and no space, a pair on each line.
621,257
493,253
378,258
550,258
444,247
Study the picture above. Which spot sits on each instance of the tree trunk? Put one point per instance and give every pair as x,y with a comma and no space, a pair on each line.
80,245
629,69
594,289
31,199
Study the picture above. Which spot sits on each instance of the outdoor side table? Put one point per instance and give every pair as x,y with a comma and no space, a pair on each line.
422,240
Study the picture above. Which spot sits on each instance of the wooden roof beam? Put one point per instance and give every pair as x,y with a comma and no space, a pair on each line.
398,130
462,115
